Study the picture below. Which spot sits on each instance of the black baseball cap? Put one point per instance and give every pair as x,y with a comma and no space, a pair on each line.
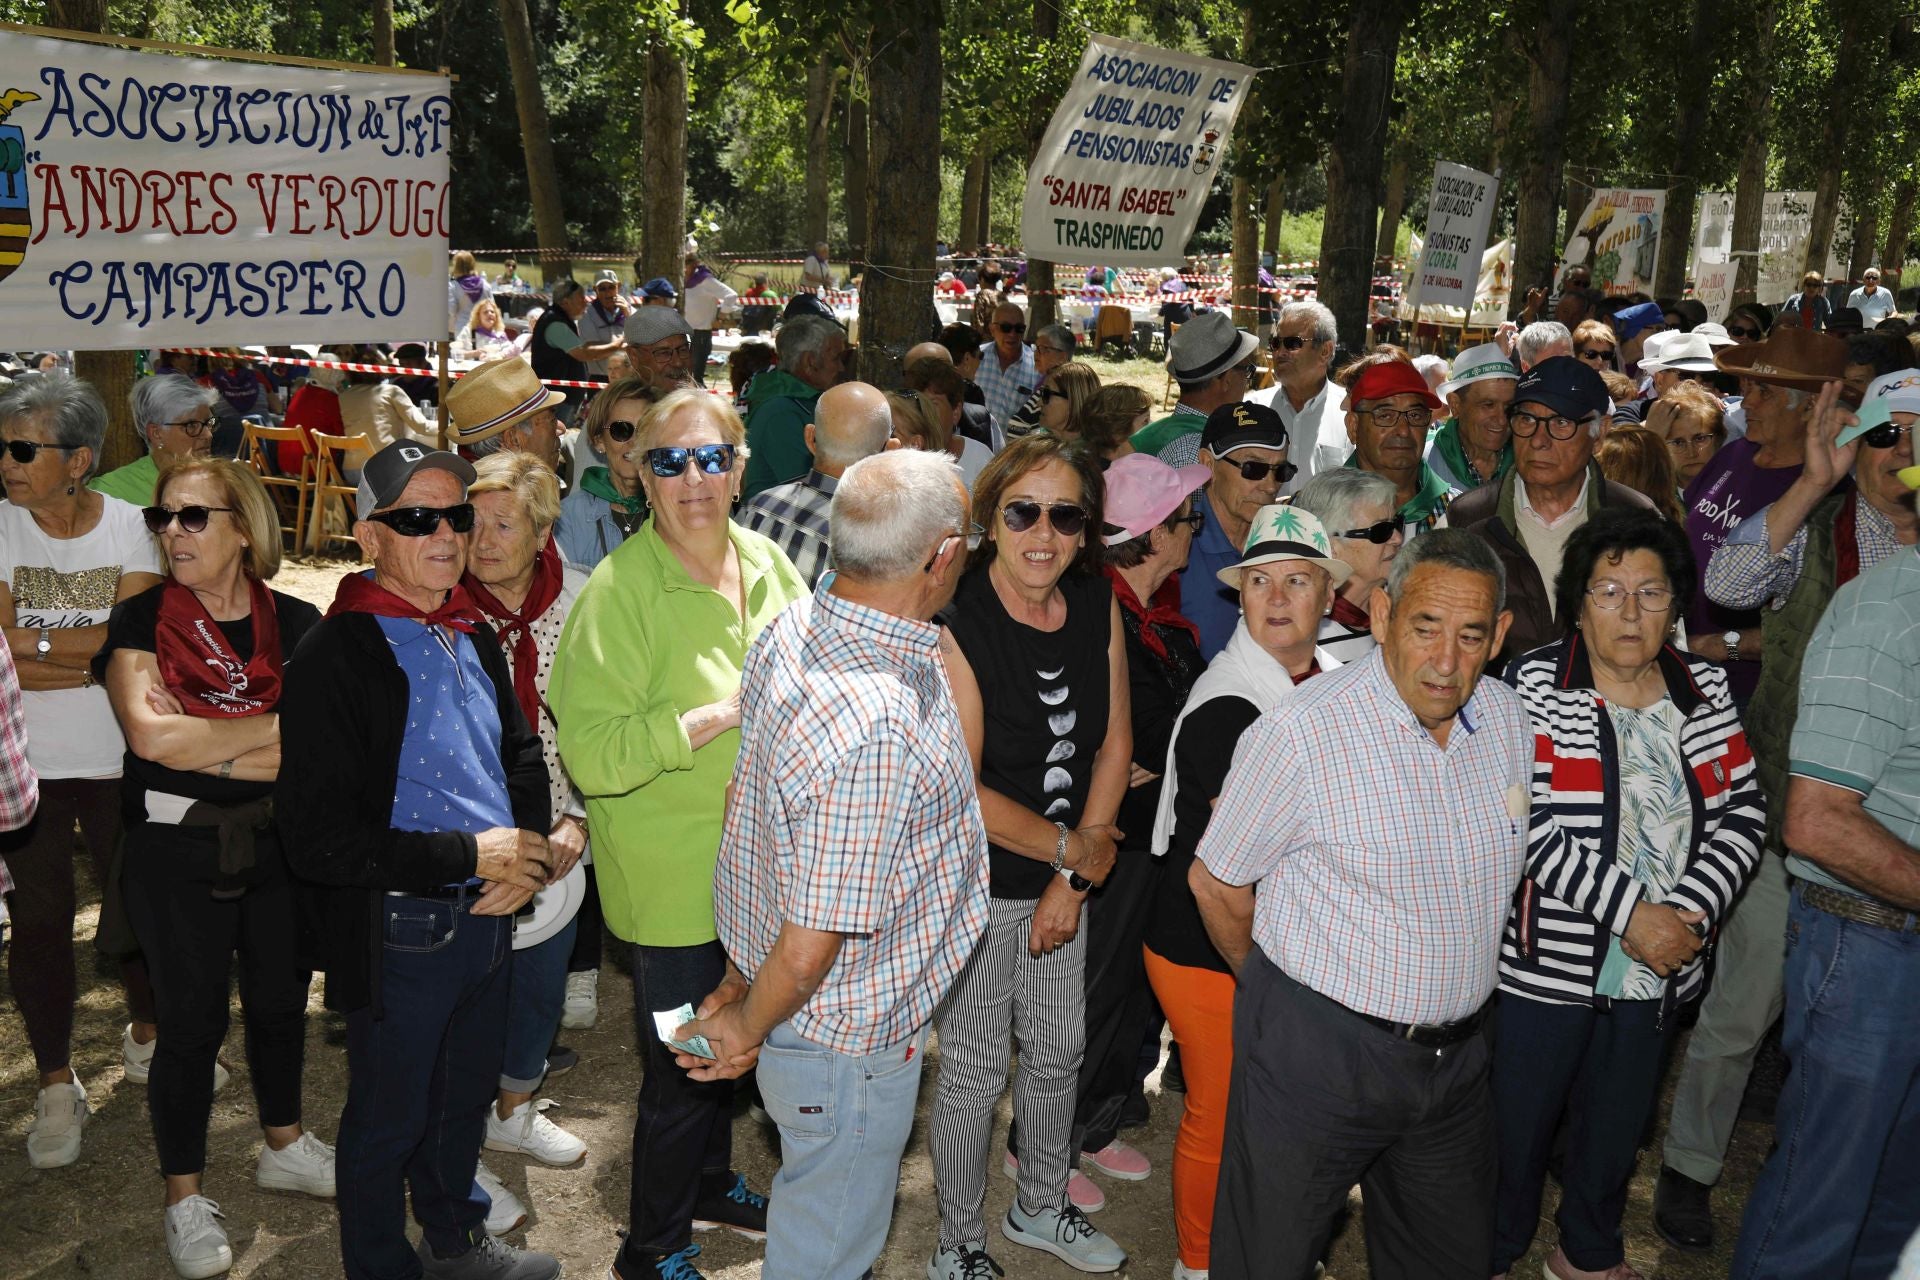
384,478
1566,386
1242,425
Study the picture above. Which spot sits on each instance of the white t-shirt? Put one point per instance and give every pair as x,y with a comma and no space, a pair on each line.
704,301
1872,309
72,582
1316,432
973,459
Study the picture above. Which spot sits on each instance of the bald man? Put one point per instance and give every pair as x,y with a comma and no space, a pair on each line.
975,422
851,421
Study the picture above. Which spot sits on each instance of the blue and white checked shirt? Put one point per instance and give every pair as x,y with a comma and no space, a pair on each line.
1006,389
854,811
1384,863
1743,574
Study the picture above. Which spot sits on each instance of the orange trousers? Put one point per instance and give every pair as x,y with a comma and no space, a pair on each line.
1199,1007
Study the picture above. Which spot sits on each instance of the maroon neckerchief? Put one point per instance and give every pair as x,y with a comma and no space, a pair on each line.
1846,541
515,626
201,668
1164,613
359,593
1349,614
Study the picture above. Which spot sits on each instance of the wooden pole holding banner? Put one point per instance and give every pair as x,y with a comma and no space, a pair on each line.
440,405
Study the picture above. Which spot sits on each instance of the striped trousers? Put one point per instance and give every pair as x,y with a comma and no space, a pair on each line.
1004,992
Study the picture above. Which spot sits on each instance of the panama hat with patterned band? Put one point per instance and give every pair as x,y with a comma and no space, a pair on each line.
1792,357
495,396
1286,532
1479,364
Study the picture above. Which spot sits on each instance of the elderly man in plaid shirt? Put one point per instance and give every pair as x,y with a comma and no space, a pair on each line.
852,880
1356,876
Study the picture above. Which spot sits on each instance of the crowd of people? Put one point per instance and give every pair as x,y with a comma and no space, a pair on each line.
1114,720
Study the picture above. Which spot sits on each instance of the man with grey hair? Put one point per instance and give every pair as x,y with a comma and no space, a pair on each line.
851,421
1053,346
1312,405
174,415
851,884
1364,925
780,402
1558,412
1541,340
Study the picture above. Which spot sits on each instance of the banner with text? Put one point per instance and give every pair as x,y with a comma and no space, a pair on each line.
1786,226
1458,212
1619,239
149,199
1130,155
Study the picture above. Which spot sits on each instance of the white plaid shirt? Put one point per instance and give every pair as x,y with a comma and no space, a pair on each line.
1385,864
854,812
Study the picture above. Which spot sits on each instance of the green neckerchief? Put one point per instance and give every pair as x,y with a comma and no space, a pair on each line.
597,481
1429,500
1447,441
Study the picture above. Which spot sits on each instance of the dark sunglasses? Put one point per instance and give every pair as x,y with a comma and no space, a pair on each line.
1884,436
192,519
1380,532
419,522
1742,331
1050,393
619,432
1292,343
714,459
1066,518
1596,354
25,451
1258,471
1011,328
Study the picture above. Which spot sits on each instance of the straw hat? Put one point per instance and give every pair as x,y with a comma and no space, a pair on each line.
494,397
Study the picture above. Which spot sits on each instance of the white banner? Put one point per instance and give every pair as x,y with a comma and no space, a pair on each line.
1619,239
1130,155
1458,211
148,199
1492,292
1786,224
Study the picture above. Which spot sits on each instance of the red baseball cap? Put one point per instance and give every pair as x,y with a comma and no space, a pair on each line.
1392,378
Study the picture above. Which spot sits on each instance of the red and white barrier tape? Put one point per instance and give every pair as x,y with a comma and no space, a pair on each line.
395,370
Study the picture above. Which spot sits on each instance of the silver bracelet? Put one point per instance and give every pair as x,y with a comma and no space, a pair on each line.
1060,847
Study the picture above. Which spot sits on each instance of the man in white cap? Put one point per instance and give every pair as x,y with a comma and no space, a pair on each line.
1213,363
606,312
502,406
1474,446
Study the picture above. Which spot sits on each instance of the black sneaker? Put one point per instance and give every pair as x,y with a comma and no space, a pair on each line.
739,1209
561,1060
1172,1078
1681,1211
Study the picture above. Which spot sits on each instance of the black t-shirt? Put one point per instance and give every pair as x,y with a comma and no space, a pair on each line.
1202,755
1046,704
132,626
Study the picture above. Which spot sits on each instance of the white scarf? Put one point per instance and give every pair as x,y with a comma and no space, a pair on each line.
1242,670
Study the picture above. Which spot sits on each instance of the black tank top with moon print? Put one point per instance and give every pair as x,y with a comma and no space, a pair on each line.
1045,696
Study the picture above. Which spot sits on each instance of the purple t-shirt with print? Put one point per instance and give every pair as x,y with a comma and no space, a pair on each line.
1728,490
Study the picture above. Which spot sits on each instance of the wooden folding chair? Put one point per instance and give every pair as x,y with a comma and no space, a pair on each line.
261,452
1113,324
333,457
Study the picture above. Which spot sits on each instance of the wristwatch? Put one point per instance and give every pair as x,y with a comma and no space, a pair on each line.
43,646
1732,640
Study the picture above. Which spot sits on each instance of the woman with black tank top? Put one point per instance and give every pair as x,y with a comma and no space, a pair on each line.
1037,658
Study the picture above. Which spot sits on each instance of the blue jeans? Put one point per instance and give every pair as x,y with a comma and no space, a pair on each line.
419,1082
539,989
844,1121
1841,1192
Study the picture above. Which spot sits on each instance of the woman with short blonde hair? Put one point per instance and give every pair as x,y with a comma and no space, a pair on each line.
253,510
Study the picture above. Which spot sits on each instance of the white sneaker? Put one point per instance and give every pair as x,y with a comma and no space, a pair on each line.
530,1133
136,1060
59,1115
582,1008
195,1241
1181,1271
305,1165
506,1212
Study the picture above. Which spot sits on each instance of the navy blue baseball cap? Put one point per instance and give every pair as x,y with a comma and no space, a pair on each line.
659,287
1631,320
1566,386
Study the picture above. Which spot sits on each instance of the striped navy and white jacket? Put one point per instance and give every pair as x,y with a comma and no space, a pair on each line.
1576,893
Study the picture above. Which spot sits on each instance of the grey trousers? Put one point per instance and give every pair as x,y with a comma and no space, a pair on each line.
1001,993
1746,996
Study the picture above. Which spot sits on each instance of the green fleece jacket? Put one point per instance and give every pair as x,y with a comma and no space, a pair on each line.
779,407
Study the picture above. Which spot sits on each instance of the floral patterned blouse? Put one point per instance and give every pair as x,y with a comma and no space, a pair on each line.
1656,818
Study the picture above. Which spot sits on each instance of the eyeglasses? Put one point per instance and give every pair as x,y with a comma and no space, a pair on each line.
1380,532
1884,436
1066,518
1255,472
619,432
1195,520
1292,342
1690,443
195,428
973,535
1527,425
420,522
1010,328
1597,353
1387,418
25,451
714,459
1611,596
665,350
193,519
1742,331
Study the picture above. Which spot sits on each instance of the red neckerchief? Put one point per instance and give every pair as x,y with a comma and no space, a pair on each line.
359,593
515,626
1164,613
1846,541
200,667
1349,614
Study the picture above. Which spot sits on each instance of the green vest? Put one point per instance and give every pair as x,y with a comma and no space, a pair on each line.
1784,633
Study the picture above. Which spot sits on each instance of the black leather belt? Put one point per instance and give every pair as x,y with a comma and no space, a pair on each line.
1428,1035
442,893
1859,910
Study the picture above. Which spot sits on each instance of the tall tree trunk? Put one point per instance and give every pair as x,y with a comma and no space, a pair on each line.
1750,187
1833,138
821,80
903,212
968,239
663,211
1866,229
383,32
111,372
536,142
1391,211
984,231
1689,123
1550,64
1354,158
1043,306
1246,210
1276,216
1574,193
1899,228
854,173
